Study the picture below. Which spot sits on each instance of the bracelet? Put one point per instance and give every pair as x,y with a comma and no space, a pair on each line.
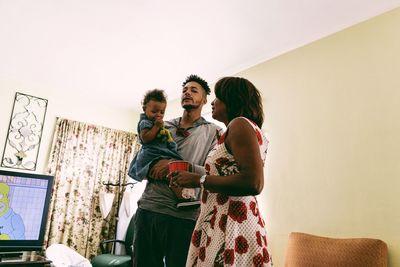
202,180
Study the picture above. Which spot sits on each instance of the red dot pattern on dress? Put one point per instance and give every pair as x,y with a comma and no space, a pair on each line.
204,196
237,211
258,260
202,254
229,256
213,217
222,199
259,137
258,238
253,208
221,139
265,255
241,245
222,222
230,230
196,238
208,241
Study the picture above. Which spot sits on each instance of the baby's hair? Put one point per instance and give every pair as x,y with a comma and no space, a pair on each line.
197,79
155,95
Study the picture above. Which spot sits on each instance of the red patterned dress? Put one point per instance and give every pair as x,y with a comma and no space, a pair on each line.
229,230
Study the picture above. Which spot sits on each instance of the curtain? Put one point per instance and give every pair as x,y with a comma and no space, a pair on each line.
82,158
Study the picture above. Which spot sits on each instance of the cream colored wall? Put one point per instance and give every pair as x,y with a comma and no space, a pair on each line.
65,106
332,119
333,112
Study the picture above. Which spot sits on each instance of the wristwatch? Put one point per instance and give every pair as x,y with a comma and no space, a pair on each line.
202,180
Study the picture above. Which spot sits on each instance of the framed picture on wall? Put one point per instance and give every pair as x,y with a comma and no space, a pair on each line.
22,144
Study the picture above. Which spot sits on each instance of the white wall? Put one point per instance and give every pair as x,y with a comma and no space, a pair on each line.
332,115
65,106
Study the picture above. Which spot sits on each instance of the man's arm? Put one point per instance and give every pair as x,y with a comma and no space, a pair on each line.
159,170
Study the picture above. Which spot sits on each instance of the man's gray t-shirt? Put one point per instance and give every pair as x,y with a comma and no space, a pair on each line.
194,144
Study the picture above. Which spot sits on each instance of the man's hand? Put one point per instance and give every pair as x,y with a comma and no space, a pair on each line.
159,171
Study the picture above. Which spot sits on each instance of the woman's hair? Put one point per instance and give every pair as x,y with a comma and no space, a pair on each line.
241,98
155,95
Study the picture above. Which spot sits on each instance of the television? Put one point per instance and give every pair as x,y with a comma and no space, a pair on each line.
24,207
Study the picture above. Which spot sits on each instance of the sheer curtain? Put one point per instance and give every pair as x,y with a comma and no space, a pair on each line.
82,158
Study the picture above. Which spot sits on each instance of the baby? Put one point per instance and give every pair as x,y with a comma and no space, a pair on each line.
156,141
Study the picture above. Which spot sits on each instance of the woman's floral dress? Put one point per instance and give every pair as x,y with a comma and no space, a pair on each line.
229,230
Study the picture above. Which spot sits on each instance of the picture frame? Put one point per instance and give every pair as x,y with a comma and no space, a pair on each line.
24,134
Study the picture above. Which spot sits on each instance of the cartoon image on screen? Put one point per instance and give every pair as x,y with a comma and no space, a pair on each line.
24,209
11,224
21,206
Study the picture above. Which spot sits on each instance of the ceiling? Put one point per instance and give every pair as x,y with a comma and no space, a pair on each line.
113,51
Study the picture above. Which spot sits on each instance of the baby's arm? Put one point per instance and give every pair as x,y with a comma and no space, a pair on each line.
149,134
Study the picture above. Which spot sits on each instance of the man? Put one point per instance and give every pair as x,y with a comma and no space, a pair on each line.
163,229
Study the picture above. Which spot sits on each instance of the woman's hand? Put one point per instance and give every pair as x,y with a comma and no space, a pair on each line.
184,179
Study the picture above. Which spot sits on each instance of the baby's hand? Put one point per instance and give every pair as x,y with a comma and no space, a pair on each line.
159,122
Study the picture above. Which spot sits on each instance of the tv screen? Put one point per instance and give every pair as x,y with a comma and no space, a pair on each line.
24,206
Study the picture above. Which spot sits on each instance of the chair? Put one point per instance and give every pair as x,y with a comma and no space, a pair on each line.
305,250
108,258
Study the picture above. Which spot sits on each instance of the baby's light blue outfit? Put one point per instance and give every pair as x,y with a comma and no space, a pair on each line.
150,152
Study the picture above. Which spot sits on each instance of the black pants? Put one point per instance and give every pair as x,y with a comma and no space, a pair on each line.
161,238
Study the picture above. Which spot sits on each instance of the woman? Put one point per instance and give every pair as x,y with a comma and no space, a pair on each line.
230,230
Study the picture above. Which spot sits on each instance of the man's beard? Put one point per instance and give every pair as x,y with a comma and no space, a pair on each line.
190,106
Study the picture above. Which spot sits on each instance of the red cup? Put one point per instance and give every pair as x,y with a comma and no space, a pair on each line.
178,165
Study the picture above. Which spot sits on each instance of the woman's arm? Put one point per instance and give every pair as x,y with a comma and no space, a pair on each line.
241,141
